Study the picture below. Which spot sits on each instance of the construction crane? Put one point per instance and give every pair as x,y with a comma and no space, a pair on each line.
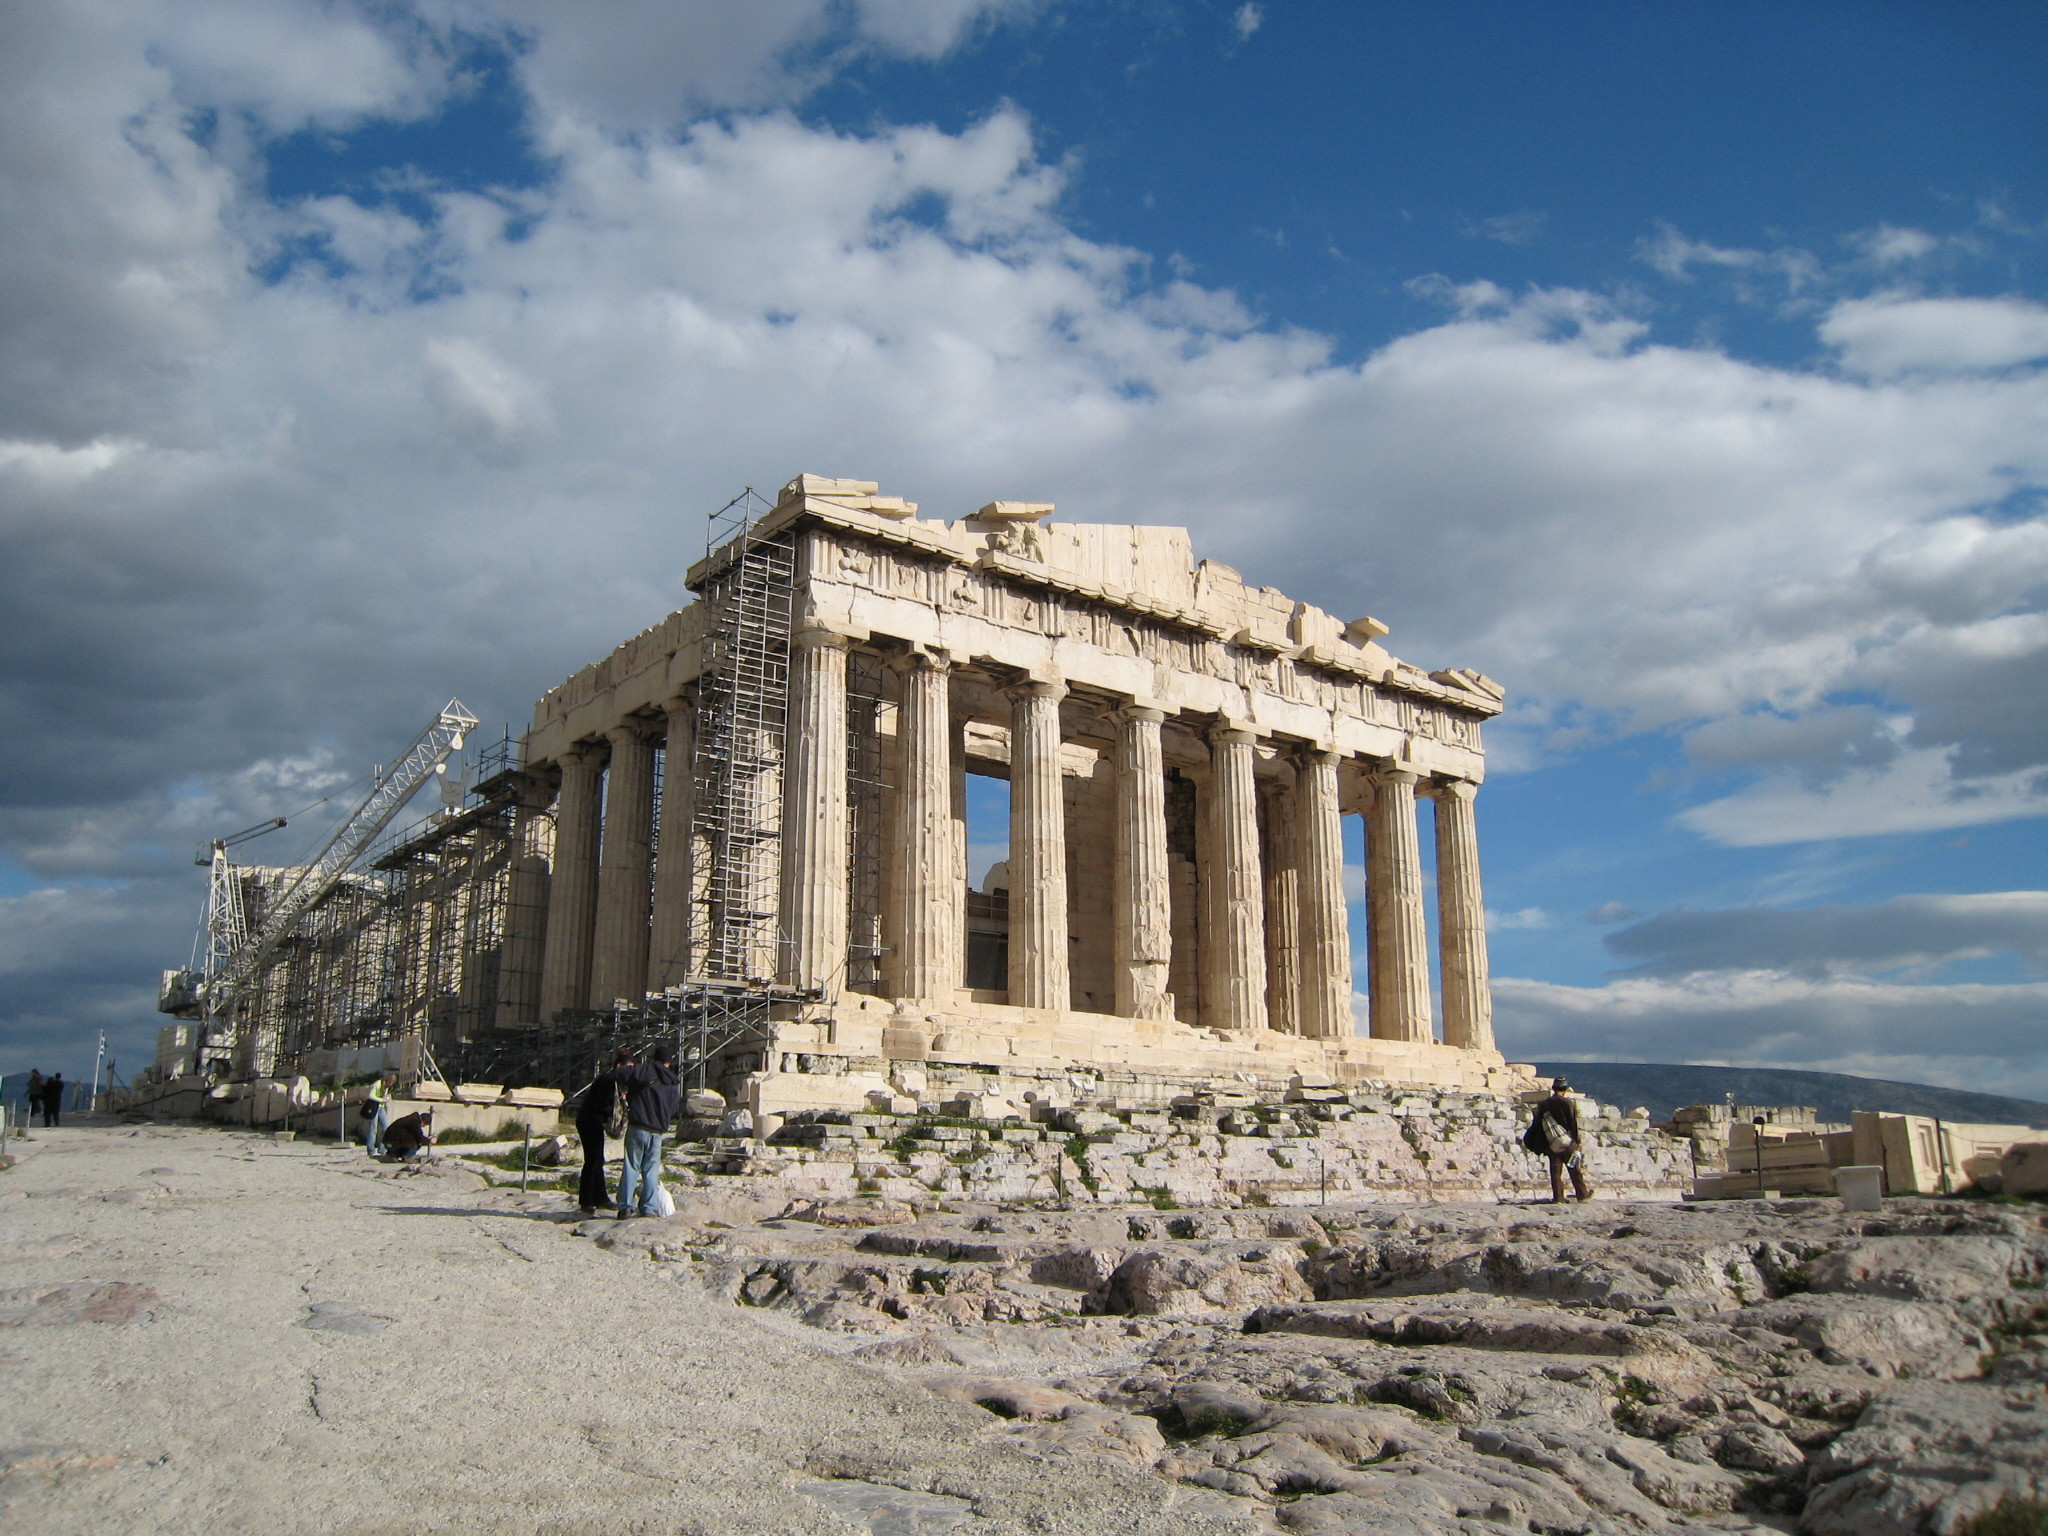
234,955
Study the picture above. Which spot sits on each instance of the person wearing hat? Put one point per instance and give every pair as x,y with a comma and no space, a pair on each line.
1555,1133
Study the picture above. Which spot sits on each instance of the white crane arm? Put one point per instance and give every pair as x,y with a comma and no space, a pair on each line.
426,757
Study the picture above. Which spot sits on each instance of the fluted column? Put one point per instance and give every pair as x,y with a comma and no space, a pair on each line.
1240,898
1325,928
1400,949
1038,850
814,824
618,957
668,947
572,892
526,911
926,959
1280,856
1142,883
1461,920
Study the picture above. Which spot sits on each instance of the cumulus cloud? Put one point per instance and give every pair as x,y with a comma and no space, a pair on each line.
1887,335
1962,1036
1917,930
277,477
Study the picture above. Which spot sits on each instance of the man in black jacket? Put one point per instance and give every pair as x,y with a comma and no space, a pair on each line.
1557,1126
652,1091
592,1111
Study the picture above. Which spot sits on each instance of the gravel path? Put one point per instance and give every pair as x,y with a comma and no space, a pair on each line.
208,1330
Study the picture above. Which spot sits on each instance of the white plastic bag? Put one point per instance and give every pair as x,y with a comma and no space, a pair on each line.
664,1202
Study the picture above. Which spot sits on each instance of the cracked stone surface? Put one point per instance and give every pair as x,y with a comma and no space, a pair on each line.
163,1372
286,1326
1615,1367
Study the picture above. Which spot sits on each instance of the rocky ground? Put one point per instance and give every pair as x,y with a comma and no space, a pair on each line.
203,1329
1607,1367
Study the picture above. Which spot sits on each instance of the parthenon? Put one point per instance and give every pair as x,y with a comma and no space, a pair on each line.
1180,748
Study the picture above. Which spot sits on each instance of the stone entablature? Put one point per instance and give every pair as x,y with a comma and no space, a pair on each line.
1181,750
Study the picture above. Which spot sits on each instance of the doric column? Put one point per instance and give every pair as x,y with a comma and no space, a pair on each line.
1280,857
1142,886
668,948
1400,947
526,911
618,957
1325,928
572,892
926,960
1461,920
814,825
1038,850
1239,895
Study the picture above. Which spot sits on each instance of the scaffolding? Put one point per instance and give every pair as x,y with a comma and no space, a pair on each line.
747,590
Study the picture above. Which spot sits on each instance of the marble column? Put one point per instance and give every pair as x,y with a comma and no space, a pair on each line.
668,948
1143,890
1038,850
618,957
1280,857
926,962
1461,920
572,892
1400,948
526,911
1239,902
814,820
1325,925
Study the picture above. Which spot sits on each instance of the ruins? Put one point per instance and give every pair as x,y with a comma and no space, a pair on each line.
1180,748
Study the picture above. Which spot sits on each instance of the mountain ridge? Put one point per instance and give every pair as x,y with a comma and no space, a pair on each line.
1665,1087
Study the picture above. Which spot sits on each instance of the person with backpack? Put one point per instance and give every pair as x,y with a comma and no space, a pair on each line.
600,1113
1554,1133
376,1113
652,1092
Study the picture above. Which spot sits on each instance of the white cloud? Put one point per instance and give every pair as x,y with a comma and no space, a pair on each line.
1892,334
1247,19
1526,917
462,449
1917,791
1965,1036
1919,931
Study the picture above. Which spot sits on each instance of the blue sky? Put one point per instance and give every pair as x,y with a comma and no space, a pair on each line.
1681,367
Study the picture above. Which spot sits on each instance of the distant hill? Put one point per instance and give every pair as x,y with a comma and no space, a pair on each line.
1666,1088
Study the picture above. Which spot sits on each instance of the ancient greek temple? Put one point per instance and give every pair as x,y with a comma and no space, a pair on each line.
769,789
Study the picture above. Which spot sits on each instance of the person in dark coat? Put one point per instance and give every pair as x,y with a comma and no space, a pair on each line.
53,1099
409,1135
652,1093
1557,1127
591,1113
32,1097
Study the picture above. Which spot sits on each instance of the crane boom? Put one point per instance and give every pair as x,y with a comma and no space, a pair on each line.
392,787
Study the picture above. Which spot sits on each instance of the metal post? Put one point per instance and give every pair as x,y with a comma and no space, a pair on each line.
1323,1169
93,1101
1758,1125
525,1154
341,1120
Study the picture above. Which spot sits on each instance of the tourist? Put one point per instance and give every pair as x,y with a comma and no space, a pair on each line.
652,1091
1555,1132
53,1098
32,1097
591,1115
378,1107
409,1135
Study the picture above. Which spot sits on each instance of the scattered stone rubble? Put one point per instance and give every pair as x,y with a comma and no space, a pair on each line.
1322,1143
1467,1365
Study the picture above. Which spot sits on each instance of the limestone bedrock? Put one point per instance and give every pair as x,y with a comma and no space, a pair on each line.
208,1330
